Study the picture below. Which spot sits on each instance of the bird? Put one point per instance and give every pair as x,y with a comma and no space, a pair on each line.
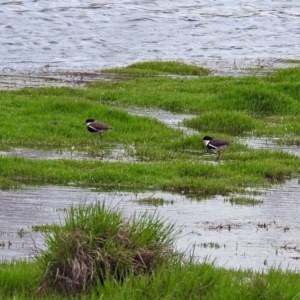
95,126
215,145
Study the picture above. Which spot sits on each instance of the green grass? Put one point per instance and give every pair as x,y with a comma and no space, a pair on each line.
18,279
188,281
227,107
152,68
224,121
58,121
243,169
275,94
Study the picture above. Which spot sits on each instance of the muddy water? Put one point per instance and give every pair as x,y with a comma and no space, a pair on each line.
254,237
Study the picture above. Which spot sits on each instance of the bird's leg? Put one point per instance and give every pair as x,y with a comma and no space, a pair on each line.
219,153
100,139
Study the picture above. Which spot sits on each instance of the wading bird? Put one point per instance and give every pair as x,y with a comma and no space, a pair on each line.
95,126
215,145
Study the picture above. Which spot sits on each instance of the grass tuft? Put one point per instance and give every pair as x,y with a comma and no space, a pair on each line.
152,68
96,244
223,121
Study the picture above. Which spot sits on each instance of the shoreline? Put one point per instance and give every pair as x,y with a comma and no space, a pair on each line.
48,75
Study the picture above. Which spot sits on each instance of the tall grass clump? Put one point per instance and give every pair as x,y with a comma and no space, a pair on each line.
259,99
223,121
96,244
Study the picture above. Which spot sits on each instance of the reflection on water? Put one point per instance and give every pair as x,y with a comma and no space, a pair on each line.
249,237
269,144
170,119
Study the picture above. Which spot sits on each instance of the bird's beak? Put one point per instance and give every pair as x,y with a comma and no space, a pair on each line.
83,123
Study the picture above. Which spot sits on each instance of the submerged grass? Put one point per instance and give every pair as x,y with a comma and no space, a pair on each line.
154,201
244,201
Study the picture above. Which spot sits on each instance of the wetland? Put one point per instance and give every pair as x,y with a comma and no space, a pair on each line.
239,213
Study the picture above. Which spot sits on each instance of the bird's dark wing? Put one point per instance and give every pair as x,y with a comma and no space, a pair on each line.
100,126
92,129
218,143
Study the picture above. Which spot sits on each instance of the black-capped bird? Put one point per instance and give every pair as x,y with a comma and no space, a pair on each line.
215,145
95,126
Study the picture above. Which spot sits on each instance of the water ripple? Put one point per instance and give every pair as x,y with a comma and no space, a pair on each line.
86,34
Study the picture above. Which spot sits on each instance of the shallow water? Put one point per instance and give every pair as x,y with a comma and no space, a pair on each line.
87,34
115,153
259,237
170,119
269,144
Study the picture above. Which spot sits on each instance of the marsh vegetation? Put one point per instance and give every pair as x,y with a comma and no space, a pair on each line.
165,159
